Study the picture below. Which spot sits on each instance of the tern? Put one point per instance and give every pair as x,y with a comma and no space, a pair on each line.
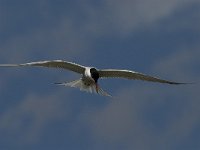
90,75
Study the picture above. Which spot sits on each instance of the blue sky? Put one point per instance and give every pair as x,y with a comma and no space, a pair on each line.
156,37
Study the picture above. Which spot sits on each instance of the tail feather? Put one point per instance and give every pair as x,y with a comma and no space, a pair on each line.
79,84
76,84
102,92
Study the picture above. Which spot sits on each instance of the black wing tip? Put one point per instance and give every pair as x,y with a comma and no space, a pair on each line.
58,83
180,83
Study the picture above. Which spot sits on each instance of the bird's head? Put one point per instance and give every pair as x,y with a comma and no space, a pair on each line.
94,74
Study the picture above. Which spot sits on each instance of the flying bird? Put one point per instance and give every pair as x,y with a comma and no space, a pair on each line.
90,75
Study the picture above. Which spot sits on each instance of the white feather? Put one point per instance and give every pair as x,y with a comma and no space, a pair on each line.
80,84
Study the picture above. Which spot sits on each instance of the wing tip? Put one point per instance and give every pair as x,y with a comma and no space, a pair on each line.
179,83
9,65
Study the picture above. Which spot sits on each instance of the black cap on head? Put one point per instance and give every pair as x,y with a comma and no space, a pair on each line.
94,74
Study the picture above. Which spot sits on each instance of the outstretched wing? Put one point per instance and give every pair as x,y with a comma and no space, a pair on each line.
53,64
115,73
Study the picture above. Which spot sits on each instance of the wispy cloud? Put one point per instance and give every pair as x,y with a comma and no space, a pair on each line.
123,18
182,64
150,117
30,117
134,119
58,42
70,37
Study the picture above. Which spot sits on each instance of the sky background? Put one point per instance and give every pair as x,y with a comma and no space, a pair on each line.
156,37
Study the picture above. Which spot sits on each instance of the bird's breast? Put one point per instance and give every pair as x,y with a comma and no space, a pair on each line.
87,72
88,81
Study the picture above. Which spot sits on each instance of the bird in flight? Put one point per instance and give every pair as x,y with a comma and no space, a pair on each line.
90,75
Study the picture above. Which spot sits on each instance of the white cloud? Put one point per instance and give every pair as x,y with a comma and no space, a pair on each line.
126,120
124,17
71,38
30,117
62,40
182,64
122,120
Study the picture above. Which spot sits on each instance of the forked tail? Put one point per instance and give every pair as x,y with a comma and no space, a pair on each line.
79,84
